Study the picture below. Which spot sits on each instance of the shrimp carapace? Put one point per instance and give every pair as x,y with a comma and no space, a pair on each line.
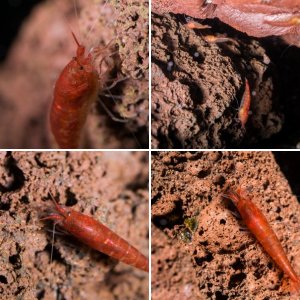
261,229
75,90
97,236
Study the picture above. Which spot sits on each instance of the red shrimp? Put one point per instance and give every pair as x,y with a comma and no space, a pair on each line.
245,105
75,90
97,236
260,228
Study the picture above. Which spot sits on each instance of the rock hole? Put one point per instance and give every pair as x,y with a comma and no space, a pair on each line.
203,173
28,217
220,296
270,265
4,206
15,260
219,180
93,210
196,55
207,112
40,295
200,260
175,217
135,17
19,290
133,209
156,197
13,170
238,265
266,184
3,279
209,295
38,161
205,243
222,222
258,274
139,59
195,92
71,199
219,273
59,295
24,200
236,280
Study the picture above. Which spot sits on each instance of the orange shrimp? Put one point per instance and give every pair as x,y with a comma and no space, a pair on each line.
75,90
196,25
97,236
245,105
260,228
217,39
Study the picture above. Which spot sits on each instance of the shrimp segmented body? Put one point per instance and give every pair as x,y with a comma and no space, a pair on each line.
97,236
75,90
260,228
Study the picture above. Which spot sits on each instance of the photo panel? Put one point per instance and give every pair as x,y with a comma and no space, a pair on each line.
225,225
74,74
74,225
225,74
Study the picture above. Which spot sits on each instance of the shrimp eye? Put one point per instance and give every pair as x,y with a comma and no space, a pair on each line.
81,68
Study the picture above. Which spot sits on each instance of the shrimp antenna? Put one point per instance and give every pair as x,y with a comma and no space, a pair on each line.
53,199
226,196
75,9
88,37
57,207
52,244
75,39
77,18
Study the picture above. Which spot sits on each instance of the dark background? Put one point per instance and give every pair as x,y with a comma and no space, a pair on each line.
12,14
289,162
286,59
